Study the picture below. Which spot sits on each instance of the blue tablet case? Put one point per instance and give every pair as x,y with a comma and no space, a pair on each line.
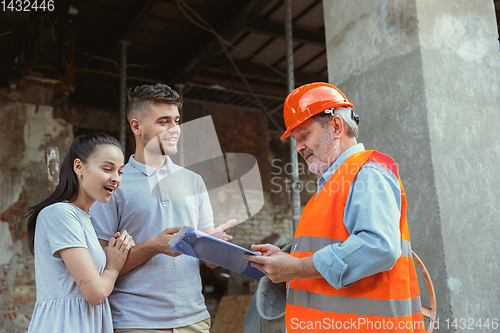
197,244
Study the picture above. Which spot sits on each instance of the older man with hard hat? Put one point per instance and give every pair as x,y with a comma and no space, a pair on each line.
351,266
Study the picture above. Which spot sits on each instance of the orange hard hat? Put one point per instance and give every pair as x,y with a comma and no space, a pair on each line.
308,100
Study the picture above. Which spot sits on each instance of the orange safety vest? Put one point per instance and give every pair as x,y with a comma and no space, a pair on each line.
384,302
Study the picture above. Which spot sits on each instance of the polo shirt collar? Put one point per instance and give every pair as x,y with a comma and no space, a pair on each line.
149,171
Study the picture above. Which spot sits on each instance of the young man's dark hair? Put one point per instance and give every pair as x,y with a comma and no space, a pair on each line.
141,97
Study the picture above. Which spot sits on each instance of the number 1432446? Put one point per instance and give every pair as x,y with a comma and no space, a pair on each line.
27,5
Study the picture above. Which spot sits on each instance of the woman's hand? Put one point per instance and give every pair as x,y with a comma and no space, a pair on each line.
117,250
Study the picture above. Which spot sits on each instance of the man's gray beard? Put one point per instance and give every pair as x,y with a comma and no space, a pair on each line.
327,148
319,169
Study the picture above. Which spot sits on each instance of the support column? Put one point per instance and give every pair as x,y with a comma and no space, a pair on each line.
425,78
123,93
294,188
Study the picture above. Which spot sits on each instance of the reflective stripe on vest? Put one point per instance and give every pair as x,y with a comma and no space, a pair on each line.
355,305
314,244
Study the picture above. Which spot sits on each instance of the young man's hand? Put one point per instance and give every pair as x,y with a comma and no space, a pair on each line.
163,238
220,231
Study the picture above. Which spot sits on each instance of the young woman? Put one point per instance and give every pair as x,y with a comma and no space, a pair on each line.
74,276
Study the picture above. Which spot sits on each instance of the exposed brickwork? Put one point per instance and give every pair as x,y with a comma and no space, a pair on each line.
18,287
14,216
30,124
17,282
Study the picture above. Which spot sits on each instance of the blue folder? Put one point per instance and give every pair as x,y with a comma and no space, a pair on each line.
197,244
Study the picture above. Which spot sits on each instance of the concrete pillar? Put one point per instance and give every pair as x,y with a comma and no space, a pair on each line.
424,77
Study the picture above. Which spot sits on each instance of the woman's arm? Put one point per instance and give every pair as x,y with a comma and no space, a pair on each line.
94,287
147,249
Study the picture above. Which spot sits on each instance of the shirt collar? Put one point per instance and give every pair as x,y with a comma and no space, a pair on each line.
149,171
341,159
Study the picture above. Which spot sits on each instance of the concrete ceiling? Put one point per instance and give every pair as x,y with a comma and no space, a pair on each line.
223,52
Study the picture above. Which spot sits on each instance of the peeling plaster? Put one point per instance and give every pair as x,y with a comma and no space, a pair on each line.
477,45
11,186
464,35
455,285
446,33
34,128
389,19
5,243
39,129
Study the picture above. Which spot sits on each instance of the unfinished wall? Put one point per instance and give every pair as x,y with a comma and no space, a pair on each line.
424,77
28,127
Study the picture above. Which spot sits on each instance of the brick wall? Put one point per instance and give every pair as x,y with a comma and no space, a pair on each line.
28,127
17,284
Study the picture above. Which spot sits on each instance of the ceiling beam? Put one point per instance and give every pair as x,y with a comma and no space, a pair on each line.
283,58
252,70
323,70
310,61
95,5
238,92
308,9
212,48
221,64
261,48
225,81
205,10
174,24
301,35
246,33
128,25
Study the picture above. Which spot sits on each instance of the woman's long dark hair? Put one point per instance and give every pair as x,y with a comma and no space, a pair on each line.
83,147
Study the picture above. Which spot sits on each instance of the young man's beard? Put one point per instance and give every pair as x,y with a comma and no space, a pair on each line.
168,151
157,147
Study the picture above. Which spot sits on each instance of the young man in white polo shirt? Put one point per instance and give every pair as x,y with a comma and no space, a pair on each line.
157,289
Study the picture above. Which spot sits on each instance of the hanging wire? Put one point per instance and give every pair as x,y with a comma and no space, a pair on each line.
223,44
221,39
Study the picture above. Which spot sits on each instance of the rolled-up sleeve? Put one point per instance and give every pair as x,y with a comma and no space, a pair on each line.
371,217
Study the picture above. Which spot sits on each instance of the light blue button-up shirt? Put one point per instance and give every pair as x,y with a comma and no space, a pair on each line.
371,217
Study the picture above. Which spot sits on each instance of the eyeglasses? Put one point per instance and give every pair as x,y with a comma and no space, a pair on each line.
354,116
